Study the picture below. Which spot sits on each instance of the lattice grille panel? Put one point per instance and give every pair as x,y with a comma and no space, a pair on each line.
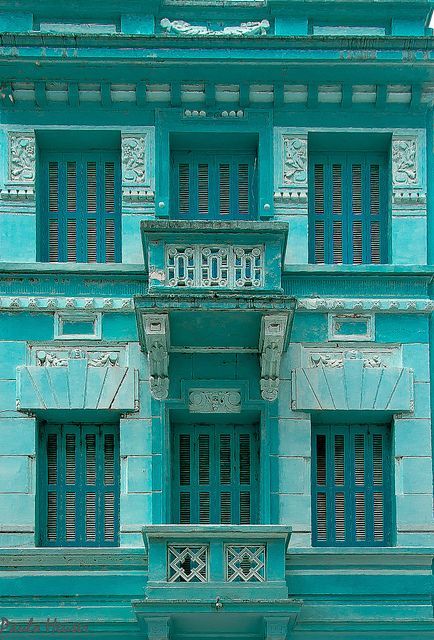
187,564
215,266
245,563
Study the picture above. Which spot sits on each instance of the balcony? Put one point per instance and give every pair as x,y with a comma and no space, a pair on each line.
239,256
219,578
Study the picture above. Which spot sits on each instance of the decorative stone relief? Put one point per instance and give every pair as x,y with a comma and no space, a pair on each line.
406,171
156,332
133,159
271,345
294,160
404,162
20,185
291,170
183,28
331,361
22,157
136,185
214,401
94,359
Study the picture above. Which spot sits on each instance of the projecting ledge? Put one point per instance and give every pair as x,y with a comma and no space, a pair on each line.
214,322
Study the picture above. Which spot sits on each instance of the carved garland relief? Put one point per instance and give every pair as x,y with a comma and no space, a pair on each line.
22,157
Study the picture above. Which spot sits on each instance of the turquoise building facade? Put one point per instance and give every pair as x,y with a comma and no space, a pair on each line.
216,319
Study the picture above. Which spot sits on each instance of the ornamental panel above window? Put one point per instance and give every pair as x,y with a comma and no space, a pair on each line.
80,207
348,208
213,186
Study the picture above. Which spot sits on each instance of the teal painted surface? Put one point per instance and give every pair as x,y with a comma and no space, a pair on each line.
112,80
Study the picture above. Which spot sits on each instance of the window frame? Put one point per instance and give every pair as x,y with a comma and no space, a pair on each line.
349,488
81,214
347,159
43,487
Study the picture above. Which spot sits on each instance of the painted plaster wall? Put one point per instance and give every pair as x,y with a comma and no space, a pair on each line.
396,585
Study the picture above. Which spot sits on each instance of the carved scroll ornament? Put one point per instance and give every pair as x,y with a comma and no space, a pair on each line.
182,28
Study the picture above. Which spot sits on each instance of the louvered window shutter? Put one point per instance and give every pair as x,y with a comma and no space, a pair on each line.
215,475
80,483
351,485
81,208
348,208
213,186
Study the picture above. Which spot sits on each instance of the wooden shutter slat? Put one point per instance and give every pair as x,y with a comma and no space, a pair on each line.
71,240
225,189
92,240
243,189
184,188
110,239
71,186
109,191
203,189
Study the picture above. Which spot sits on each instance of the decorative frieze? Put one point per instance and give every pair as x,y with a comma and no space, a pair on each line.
183,28
351,305
61,358
22,303
271,346
214,401
330,360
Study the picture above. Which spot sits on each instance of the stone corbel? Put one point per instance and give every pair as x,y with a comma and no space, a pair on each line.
156,332
21,172
407,183
291,172
137,182
271,346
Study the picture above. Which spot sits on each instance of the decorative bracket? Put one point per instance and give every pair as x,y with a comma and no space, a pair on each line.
157,341
271,346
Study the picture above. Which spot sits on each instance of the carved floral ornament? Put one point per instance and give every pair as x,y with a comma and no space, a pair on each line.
214,401
294,160
404,162
22,156
333,361
182,28
51,359
133,160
